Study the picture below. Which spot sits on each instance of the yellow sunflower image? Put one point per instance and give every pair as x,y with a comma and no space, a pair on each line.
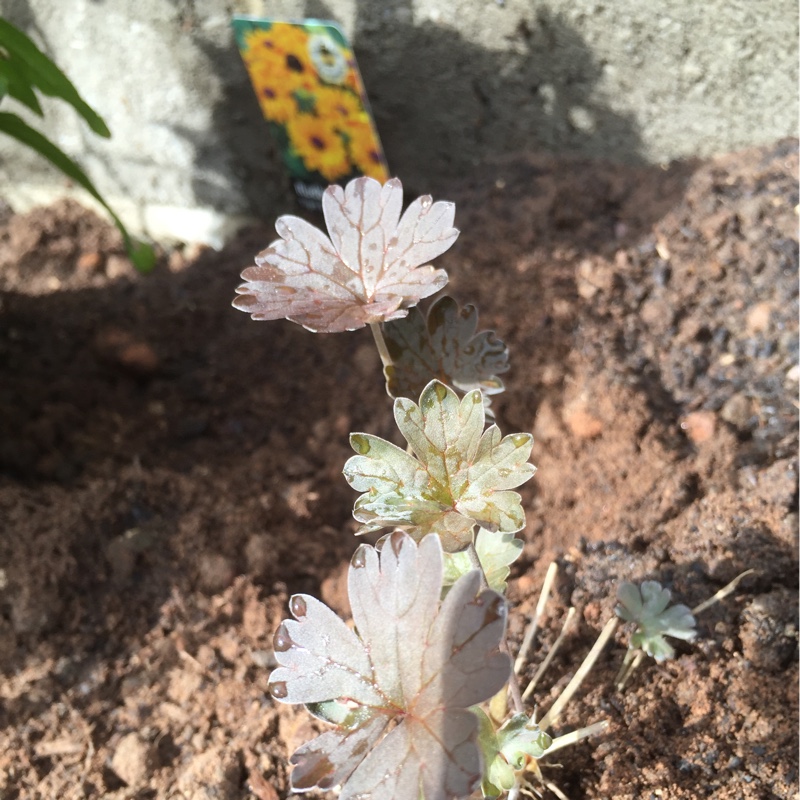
263,55
352,80
289,38
279,39
277,103
292,44
281,50
258,39
365,151
337,105
319,146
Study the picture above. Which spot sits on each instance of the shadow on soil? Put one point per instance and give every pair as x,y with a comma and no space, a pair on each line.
142,417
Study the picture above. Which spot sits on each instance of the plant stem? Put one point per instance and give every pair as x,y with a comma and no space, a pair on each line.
513,683
550,655
380,342
722,593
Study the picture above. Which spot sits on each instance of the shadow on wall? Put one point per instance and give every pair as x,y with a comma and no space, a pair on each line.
442,104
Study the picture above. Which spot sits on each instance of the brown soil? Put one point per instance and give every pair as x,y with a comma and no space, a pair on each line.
170,471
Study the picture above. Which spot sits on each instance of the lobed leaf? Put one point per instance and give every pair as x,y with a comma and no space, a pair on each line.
413,660
371,269
457,477
443,344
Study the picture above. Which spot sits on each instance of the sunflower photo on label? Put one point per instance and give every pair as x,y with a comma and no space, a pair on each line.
311,94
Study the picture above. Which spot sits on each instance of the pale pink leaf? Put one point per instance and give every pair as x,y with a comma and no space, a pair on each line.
427,662
371,269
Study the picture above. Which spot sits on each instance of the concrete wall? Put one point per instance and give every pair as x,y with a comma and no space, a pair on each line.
451,82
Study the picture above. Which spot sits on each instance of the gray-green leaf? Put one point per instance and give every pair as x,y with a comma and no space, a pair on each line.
443,344
371,268
457,477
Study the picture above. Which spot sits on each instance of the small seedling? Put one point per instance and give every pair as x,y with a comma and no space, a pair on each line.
402,690
428,607
647,606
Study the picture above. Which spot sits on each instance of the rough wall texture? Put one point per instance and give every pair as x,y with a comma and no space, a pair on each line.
451,82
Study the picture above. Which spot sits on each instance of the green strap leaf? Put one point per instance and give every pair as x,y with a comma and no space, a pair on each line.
141,254
45,75
15,83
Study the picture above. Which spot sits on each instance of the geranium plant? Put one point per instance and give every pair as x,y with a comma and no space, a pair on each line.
421,692
403,691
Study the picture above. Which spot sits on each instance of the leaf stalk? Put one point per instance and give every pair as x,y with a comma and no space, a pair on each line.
380,343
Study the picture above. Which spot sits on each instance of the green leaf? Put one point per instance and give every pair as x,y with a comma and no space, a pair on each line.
496,552
457,477
142,255
498,777
443,344
14,83
45,75
339,713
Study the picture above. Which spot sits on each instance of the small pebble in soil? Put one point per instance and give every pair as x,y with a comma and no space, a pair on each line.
132,761
700,426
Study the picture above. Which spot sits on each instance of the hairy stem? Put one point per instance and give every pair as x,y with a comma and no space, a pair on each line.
513,683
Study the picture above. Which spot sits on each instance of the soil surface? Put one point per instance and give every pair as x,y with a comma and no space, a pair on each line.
170,472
